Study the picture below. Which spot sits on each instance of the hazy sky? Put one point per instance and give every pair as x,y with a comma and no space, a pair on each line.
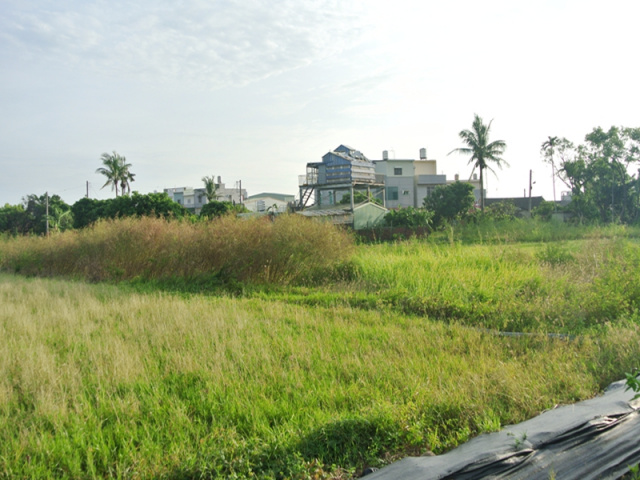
252,90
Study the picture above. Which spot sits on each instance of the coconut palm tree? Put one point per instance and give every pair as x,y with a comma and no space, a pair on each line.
110,170
210,188
481,150
125,176
116,169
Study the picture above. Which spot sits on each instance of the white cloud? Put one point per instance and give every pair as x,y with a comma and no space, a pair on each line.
209,44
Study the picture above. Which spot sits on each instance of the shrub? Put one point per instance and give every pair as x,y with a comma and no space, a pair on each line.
408,217
544,211
449,202
215,208
501,211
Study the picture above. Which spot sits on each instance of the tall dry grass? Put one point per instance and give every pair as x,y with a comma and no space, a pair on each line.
289,249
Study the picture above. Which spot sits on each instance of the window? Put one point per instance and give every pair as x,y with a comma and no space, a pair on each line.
397,171
392,193
405,192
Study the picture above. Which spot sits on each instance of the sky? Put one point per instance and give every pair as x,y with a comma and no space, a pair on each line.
253,90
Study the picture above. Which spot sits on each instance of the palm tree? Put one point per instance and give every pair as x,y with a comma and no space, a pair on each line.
210,188
125,176
116,169
548,149
110,170
481,151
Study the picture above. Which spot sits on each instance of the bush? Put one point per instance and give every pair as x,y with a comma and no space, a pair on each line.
450,202
501,211
408,217
544,211
215,208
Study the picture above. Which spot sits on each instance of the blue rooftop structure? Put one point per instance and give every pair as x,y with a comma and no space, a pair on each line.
344,168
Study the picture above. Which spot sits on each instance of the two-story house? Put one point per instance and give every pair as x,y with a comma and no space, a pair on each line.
408,182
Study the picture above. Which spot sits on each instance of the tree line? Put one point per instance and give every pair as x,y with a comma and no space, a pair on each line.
38,214
602,174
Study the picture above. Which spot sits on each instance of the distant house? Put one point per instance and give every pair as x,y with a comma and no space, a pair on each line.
195,198
264,202
342,171
395,182
408,182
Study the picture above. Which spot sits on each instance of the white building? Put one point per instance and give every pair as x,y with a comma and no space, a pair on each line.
408,182
269,202
195,198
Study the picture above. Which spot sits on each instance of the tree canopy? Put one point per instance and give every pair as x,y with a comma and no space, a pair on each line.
210,188
117,172
602,174
448,202
88,210
218,209
31,216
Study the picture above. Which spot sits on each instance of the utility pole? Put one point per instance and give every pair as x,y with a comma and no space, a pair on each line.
530,188
46,214
87,188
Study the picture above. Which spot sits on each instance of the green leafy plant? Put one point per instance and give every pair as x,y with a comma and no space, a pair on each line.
409,217
633,383
634,472
518,441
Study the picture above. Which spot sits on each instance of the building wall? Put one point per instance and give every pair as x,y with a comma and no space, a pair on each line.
408,182
195,198
261,203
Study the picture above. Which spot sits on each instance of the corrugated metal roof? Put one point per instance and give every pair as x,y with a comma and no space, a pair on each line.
278,196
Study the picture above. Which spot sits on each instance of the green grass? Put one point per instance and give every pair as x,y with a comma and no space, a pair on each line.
331,365
100,382
557,287
492,231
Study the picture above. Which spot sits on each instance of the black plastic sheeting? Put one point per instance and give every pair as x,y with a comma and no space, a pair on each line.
595,439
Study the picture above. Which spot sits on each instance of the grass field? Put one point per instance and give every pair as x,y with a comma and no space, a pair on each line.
391,351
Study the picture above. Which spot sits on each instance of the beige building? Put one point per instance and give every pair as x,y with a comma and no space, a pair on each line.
408,182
